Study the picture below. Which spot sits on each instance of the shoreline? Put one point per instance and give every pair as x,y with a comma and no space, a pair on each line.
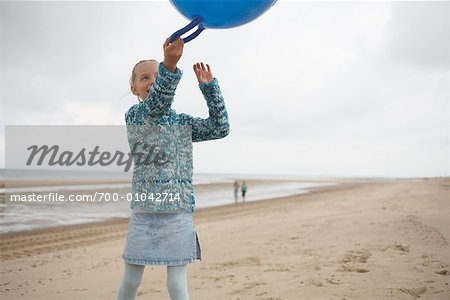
262,189
198,211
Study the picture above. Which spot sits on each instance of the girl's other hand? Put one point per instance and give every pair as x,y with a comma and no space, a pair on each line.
204,75
172,53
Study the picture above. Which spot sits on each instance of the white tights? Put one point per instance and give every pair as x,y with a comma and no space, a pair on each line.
176,282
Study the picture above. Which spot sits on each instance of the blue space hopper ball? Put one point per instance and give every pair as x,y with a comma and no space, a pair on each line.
217,14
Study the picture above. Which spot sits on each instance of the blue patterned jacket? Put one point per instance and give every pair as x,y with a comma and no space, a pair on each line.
156,111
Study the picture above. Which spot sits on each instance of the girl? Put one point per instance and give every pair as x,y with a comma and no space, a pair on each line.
167,238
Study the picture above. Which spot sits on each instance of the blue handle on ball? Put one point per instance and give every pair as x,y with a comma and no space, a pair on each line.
196,21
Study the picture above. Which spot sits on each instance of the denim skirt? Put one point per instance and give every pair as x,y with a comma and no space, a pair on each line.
156,238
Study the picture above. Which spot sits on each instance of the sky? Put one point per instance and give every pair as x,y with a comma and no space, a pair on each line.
311,88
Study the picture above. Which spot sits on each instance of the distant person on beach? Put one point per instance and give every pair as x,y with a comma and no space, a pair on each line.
158,237
244,190
236,191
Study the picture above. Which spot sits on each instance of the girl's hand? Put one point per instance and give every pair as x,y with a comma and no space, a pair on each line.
172,53
204,75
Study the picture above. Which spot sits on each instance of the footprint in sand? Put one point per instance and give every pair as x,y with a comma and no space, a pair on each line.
443,272
236,263
353,269
415,292
147,291
398,247
220,278
431,262
331,281
279,268
247,287
360,256
430,234
354,257
319,283
315,282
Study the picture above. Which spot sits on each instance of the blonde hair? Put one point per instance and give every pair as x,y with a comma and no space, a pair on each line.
133,72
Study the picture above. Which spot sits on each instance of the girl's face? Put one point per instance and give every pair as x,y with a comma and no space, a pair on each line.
145,77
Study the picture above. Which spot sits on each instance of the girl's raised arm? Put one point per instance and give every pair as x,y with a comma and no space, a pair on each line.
216,126
161,94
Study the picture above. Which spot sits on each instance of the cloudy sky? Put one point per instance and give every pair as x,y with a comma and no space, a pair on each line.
311,88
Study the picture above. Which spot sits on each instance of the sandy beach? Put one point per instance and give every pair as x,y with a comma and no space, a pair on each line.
364,239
